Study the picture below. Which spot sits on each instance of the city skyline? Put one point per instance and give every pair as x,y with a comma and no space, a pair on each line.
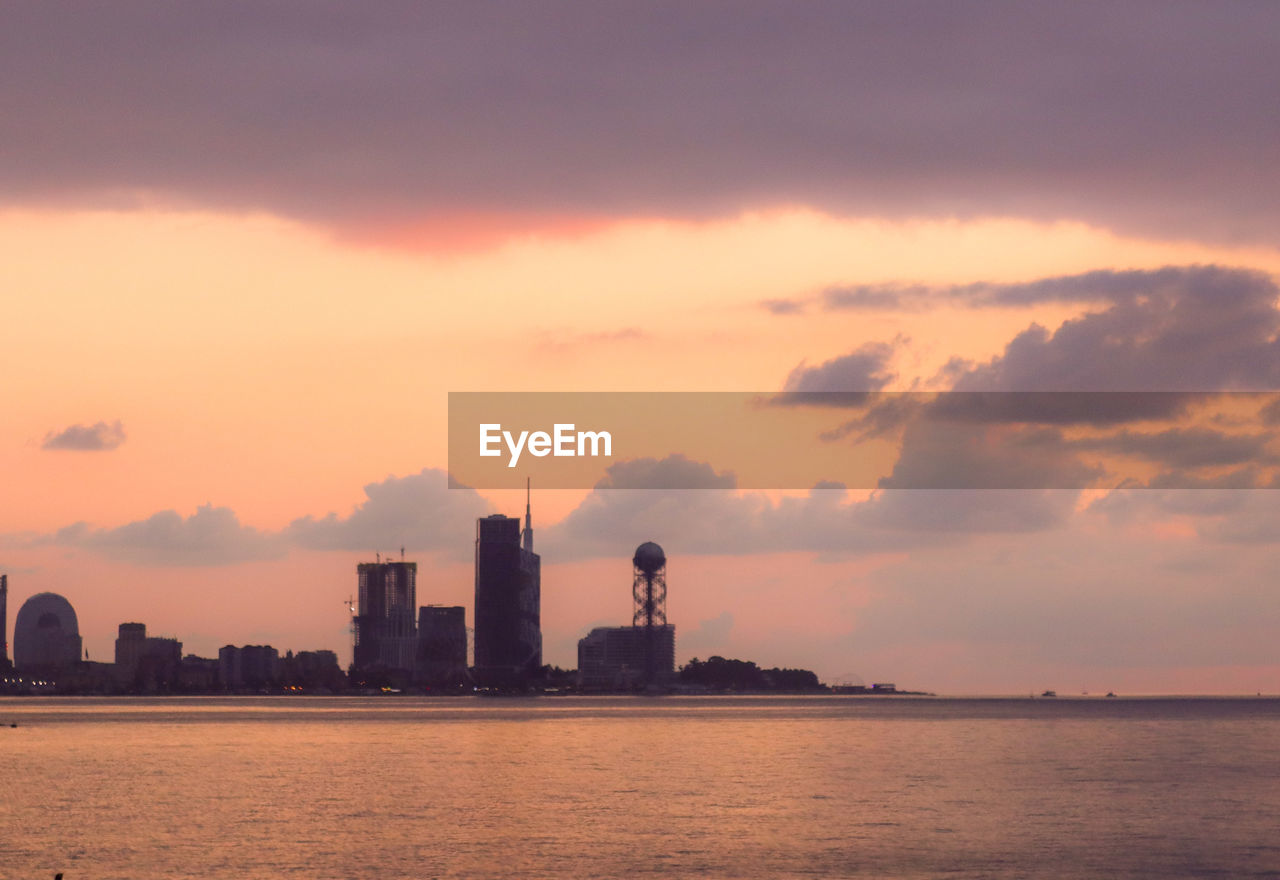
392,638
247,259
396,644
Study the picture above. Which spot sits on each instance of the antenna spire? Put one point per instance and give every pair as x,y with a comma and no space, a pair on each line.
528,515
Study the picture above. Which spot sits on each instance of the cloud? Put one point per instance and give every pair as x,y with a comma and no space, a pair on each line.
1184,331
716,519
562,342
1236,508
1138,373
1098,408
1188,448
672,472
419,512
1255,519
1101,286
983,457
1158,500
1162,348
330,113
98,437
783,306
866,369
1194,328
873,297
210,536
612,523
1092,601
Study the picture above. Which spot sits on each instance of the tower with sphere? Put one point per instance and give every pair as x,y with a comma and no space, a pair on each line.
641,656
649,590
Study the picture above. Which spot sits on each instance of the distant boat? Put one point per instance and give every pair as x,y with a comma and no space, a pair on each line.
1049,694
1110,693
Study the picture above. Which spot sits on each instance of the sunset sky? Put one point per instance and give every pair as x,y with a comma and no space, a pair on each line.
247,250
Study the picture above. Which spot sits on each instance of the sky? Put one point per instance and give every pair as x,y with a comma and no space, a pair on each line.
247,250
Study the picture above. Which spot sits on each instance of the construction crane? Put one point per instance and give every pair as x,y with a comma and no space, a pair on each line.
355,633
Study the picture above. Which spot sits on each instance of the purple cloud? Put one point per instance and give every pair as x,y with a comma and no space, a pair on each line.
98,437
1137,115
210,536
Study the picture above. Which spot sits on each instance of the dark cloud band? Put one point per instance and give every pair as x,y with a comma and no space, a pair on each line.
1146,115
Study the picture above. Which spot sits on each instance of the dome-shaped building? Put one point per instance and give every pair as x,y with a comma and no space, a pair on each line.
46,635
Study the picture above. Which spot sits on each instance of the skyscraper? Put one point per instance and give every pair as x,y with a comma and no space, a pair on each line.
508,601
385,625
4,622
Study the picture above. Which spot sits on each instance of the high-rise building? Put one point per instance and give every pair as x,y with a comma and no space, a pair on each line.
4,622
442,645
385,637
627,657
46,635
508,622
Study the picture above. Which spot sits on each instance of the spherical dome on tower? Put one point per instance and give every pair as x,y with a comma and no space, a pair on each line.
46,634
649,557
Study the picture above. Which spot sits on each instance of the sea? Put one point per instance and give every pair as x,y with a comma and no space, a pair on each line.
577,787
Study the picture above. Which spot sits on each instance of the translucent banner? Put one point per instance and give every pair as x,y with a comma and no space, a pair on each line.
864,440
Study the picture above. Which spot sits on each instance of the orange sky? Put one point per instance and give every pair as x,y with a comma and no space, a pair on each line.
268,367
247,356
269,253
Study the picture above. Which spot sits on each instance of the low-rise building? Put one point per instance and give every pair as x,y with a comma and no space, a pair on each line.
615,657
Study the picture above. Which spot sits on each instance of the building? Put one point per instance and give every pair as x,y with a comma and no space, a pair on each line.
642,655
198,674
253,667
385,637
615,657
442,645
146,663
4,623
508,598
131,640
46,635
313,671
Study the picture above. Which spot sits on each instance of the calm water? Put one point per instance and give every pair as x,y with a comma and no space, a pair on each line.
673,787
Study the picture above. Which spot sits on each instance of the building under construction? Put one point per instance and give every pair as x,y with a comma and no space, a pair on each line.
385,631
